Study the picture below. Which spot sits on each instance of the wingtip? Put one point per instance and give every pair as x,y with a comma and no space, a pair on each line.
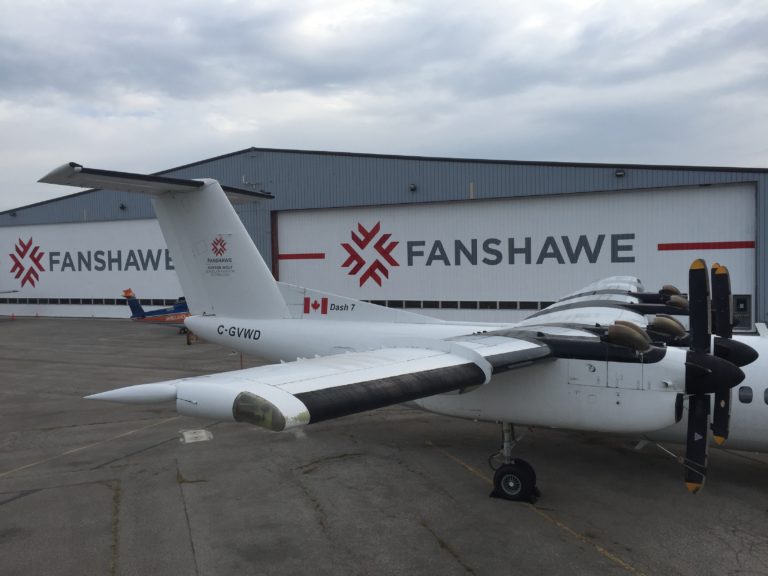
61,174
139,394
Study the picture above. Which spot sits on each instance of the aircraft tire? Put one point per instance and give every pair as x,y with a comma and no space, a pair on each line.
514,481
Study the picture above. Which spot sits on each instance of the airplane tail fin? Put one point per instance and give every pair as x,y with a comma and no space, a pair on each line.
219,267
137,311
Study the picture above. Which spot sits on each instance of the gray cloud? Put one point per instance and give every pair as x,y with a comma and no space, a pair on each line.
147,86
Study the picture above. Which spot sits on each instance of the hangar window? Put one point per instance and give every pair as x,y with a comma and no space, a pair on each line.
74,300
31,300
745,394
431,304
121,301
158,302
98,301
145,302
109,301
379,302
529,305
449,304
507,305
3,300
543,305
13,300
64,301
487,305
395,303
22,300
413,303
464,305
53,301
86,301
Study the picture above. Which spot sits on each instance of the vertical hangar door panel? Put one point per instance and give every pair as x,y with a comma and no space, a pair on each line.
534,248
82,268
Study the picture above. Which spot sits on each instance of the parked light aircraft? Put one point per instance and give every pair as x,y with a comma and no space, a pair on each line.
605,359
170,316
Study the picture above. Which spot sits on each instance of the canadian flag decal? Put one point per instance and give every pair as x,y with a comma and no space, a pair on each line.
315,305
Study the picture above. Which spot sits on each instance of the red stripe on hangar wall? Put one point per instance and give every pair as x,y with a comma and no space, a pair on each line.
302,256
707,245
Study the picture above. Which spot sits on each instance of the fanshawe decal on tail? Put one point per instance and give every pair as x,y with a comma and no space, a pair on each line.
171,316
218,263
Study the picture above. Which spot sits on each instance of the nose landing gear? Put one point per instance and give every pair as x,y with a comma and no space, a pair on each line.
514,479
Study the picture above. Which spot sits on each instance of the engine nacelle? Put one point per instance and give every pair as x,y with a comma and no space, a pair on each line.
261,405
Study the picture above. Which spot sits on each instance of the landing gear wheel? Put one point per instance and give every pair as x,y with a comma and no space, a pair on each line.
515,481
531,471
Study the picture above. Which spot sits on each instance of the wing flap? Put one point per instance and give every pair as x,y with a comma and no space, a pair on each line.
327,403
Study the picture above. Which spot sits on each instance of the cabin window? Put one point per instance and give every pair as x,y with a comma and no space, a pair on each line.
745,394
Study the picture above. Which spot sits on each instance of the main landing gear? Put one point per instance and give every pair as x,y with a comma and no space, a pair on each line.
514,478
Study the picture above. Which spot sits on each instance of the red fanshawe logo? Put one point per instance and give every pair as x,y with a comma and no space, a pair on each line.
382,255
311,305
28,273
219,246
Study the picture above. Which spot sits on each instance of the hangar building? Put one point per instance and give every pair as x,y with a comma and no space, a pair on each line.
456,238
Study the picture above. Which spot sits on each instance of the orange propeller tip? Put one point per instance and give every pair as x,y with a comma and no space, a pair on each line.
693,487
698,264
719,440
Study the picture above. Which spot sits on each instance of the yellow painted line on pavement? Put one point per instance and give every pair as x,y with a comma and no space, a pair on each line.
86,447
552,520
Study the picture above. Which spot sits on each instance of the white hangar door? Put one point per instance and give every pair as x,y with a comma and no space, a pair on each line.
497,257
81,269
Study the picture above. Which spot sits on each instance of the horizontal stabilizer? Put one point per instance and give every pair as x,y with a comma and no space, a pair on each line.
73,174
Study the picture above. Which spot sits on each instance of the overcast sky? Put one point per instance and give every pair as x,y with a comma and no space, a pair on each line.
145,86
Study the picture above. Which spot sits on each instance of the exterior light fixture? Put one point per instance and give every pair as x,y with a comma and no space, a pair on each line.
412,187
620,173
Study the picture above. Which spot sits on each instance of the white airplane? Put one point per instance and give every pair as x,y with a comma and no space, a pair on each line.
592,361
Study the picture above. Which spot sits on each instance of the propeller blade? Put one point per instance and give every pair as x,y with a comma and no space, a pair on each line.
697,442
721,419
722,311
704,374
698,298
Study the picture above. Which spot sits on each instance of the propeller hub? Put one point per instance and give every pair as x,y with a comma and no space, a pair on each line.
707,374
734,351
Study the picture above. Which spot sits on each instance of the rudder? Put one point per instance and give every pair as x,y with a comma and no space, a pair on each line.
219,267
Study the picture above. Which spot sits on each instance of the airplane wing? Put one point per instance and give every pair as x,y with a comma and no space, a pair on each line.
282,396
606,301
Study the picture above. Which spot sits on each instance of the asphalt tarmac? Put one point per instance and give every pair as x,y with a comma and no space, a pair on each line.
105,489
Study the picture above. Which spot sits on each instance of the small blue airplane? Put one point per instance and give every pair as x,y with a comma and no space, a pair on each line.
171,316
